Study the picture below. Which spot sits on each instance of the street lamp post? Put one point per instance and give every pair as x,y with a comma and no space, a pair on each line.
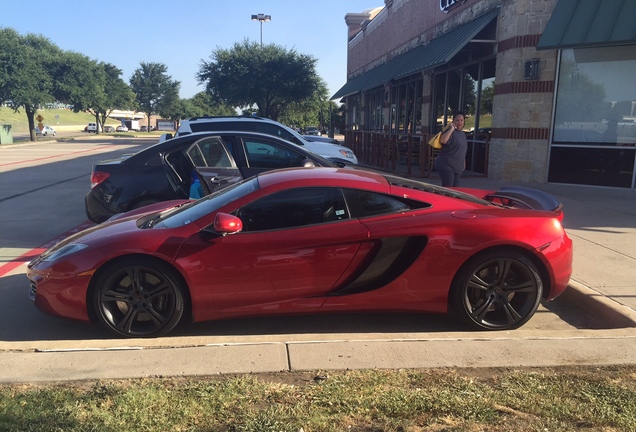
261,18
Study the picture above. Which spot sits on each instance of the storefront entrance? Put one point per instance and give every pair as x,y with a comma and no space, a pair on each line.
469,89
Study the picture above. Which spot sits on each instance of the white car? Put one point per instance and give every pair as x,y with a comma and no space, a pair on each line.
47,130
313,130
333,152
93,127
121,128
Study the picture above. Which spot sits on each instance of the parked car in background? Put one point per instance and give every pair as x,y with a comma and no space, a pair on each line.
166,170
337,154
317,138
132,125
109,128
46,131
312,240
93,127
122,128
312,130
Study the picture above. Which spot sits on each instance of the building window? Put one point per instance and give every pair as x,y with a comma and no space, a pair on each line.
594,131
469,89
375,103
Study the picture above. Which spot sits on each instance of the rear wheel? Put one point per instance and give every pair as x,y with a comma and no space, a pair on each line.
139,298
498,290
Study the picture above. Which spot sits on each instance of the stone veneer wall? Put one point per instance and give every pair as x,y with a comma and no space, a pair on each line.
522,109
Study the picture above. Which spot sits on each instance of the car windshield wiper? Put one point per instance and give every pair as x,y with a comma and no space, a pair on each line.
150,222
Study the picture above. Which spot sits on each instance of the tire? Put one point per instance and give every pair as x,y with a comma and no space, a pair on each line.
497,290
140,297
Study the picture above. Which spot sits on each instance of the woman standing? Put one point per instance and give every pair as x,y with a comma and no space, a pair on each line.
451,161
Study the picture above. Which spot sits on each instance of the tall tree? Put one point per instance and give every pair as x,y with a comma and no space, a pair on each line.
206,105
179,109
309,111
25,81
116,94
154,88
269,77
78,81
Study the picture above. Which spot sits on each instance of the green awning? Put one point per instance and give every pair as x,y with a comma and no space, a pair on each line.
590,23
353,86
437,52
441,50
387,71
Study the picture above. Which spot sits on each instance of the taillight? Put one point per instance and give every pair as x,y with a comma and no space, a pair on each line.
97,177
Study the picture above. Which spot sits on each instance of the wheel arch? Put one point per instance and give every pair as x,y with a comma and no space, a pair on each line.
543,271
90,292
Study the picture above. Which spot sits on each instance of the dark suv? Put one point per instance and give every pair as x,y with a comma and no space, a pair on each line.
166,170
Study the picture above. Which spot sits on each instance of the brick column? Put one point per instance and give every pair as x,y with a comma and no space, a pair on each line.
522,108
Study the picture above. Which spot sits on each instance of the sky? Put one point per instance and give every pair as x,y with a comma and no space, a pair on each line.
182,34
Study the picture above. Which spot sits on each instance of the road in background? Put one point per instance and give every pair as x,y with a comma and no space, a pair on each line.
42,186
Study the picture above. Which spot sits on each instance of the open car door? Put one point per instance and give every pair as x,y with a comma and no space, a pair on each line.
213,163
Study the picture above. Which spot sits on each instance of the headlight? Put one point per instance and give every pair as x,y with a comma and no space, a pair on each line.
54,254
347,153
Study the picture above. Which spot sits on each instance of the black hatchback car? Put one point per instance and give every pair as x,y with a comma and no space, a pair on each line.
166,170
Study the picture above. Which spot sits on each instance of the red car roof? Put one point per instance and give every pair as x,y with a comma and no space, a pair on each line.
324,176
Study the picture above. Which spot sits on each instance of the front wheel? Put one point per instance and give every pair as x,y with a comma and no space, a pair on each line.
498,290
139,298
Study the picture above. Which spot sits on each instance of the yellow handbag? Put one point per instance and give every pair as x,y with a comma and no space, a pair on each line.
435,141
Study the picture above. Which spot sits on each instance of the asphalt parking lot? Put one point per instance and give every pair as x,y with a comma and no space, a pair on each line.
42,187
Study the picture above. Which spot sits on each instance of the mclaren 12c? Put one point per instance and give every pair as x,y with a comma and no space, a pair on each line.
312,240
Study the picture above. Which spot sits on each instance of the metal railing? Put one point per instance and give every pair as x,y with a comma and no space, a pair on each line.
409,154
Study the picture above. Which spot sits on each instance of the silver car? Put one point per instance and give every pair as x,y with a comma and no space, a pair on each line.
47,130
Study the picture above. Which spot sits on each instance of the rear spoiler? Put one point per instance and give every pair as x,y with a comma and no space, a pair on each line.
526,198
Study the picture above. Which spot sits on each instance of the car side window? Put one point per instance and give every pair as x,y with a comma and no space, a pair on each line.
271,155
364,203
275,130
294,208
210,152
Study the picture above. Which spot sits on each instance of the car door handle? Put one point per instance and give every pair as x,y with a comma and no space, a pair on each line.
215,180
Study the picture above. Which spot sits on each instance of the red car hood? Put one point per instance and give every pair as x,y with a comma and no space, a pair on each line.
151,208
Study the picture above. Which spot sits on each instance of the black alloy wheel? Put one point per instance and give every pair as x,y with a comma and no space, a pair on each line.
499,290
139,298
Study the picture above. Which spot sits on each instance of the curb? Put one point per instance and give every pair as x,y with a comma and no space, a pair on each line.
606,310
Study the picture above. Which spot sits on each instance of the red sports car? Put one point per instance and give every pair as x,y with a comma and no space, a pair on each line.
312,240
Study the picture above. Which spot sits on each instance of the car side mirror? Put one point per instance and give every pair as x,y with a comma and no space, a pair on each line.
227,224
309,163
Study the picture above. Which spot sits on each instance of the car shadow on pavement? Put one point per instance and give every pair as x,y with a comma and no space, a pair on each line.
20,320
332,324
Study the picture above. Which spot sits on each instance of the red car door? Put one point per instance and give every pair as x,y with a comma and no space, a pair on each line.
295,246
275,271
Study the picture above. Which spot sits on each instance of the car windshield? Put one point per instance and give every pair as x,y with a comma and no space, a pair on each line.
184,215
